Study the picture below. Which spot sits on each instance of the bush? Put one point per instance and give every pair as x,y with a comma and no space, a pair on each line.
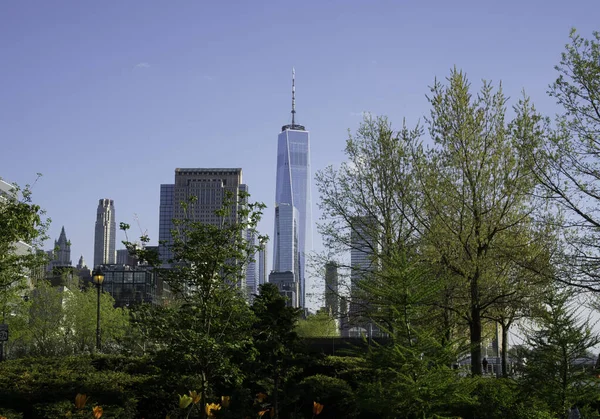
335,394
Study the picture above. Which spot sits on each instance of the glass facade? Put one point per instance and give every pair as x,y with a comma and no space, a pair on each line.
165,221
129,285
293,188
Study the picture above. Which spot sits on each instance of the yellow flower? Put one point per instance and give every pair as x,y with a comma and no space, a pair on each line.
184,401
210,407
195,397
98,412
80,401
262,412
261,397
225,401
317,408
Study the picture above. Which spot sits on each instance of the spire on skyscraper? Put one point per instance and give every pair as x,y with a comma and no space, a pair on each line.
293,96
293,124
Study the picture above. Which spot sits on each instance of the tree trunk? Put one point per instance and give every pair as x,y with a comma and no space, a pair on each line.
505,349
276,396
475,326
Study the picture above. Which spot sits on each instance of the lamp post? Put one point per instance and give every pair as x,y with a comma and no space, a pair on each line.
98,278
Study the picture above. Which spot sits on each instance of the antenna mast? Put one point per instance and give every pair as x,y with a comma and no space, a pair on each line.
293,96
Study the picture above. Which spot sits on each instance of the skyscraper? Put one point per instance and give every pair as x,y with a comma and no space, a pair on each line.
165,222
293,190
364,244
262,265
208,187
332,296
252,268
106,233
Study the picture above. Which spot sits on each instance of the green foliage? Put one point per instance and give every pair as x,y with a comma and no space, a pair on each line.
413,381
551,373
57,321
20,221
80,315
276,344
317,325
501,398
208,326
46,387
334,393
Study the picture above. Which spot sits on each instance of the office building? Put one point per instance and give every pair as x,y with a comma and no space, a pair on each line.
364,244
293,190
252,268
262,265
288,287
207,188
165,225
133,284
124,258
332,297
105,238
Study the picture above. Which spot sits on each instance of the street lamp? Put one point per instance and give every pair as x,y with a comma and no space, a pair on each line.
98,278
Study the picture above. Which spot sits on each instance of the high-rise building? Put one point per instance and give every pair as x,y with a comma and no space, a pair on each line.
106,233
60,256
363,243
252,268
332,297
208,188
293,189
262,265
165,222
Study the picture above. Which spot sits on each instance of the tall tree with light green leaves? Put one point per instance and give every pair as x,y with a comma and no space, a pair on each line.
477,184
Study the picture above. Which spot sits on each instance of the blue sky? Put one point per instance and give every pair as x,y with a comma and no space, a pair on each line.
106,99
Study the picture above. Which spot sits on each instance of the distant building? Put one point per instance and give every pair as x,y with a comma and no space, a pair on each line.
332,297
363,245
83,271
262,265
209,187
124,258
293,191
133,284
60,256
165,226
105,237
252,268
288,286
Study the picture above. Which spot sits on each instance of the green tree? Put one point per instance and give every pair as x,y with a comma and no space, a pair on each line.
46,329
80,314
477,185
551,372
208,326
569,167
318,325
22,232
275,340
371,198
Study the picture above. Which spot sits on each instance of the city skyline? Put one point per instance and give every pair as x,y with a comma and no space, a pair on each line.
119,109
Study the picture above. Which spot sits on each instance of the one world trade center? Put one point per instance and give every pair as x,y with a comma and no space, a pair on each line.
292,209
